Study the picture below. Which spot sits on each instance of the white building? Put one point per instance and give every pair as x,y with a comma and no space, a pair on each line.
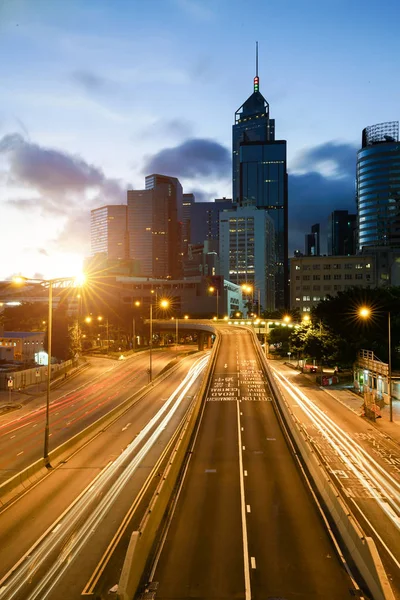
247,251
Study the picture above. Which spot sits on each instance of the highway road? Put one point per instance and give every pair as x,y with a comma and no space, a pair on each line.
246,524
71,410
364,463
57,539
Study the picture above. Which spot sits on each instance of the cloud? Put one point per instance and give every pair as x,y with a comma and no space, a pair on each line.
341,156
196,9
313,195
55,174
61,186
91,82
161,128
191,159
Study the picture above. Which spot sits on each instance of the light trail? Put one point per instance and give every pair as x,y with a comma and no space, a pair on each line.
380,484
69,531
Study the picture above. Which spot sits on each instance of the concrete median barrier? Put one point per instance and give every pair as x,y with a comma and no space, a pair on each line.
142,541
362,548
37,470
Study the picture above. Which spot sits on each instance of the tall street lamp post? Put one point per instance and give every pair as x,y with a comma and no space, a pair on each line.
137,303
365,313
213,289
49,283
163,304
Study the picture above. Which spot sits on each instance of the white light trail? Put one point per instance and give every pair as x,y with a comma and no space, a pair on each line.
380,484
77,534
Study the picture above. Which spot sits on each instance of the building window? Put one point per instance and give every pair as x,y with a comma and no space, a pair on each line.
316,277
327,267
358,266
306,278
297,267
327,277
297,298
348,276
316,298
316,267
306,298
337,266
307,268
306,309
348,266
316,288
359,276
337,277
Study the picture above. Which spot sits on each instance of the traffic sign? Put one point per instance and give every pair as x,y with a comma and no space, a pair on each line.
10,382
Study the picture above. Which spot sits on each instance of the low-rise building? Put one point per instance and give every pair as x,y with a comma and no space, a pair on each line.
26,344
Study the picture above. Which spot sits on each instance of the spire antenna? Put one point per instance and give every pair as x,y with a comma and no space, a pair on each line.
256,78
256,59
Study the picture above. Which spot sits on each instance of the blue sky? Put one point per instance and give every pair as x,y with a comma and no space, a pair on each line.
96,91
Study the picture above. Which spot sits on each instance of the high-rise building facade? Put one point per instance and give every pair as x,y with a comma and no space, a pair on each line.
187,202
259,176
155,226
109,231
247,251
341,233
312,241
378,187
204,220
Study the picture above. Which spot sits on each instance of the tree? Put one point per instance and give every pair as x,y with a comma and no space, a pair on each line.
340,315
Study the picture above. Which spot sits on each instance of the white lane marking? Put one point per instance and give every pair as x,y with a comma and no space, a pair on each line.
12,437
19,453
126,427
35,425
247,588
241,413
253,562
248,508
242,428
244,447
2,589
225,366
245,473
210,471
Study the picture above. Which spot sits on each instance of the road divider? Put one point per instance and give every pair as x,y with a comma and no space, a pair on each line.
142,542
361,547
29,476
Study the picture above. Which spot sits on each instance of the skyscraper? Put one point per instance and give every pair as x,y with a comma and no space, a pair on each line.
109,231
155,226
204,220
312,241
378,187
259,176
247,251
341,233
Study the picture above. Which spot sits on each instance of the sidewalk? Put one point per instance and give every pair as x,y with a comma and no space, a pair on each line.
24,396
346,395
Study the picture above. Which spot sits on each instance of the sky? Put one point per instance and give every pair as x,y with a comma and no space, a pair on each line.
96,94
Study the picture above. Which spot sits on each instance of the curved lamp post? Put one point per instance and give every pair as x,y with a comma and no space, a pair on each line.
79,281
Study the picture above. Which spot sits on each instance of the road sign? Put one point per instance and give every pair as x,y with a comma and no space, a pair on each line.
37,373
10,382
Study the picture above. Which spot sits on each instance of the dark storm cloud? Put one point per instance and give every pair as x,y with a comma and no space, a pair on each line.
55,175
91,82
191,159
342,155
313,196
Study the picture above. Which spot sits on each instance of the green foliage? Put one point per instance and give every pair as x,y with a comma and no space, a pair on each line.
279,336
315,342
26,317
340,316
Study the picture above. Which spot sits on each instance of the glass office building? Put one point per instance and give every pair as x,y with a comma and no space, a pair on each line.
259,177
378,187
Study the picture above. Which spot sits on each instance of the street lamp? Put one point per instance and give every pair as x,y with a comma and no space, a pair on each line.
248,289
49,282
213,289
136,303
286,319
163,304
365,312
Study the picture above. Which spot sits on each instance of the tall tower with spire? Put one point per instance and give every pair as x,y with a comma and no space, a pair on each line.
259,176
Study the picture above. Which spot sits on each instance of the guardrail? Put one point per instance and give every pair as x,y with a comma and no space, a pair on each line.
37,470
143,540
361,547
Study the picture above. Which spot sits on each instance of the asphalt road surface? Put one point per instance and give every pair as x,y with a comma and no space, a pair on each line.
22,432
364,463
53,538
246,524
